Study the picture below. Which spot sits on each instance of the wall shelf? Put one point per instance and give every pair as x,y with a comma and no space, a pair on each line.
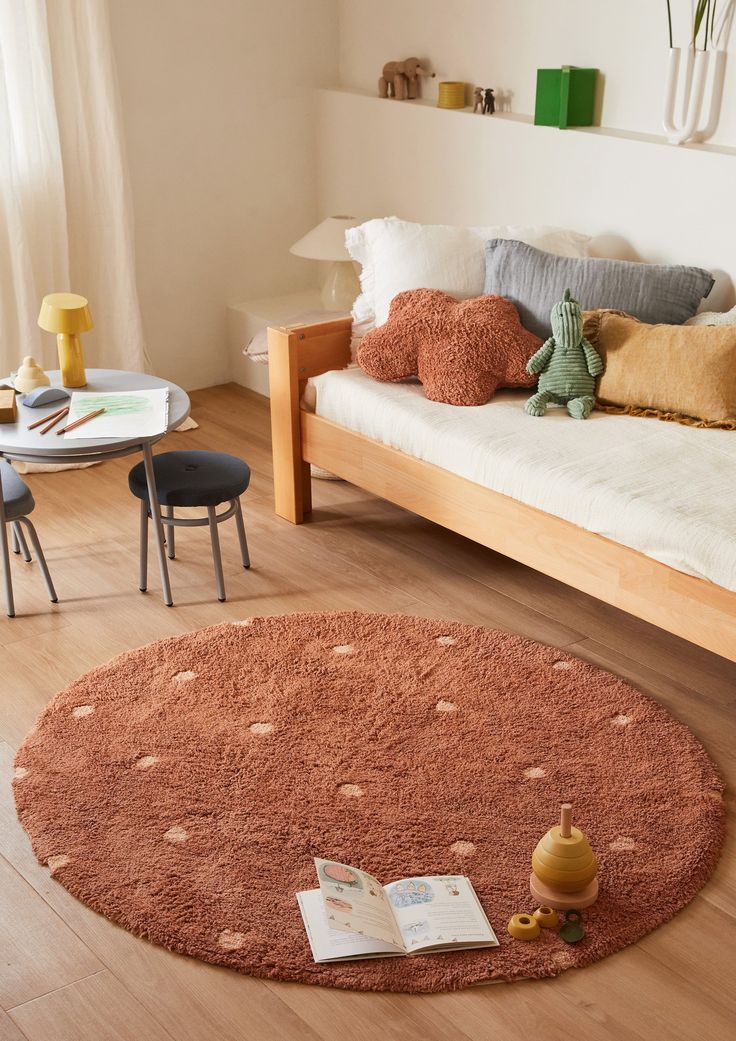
528,120
637,196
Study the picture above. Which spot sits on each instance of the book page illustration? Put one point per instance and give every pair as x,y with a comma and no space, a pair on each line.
329,944
437,911
355,902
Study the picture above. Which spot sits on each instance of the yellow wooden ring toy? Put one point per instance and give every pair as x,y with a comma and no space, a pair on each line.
523,927
547,917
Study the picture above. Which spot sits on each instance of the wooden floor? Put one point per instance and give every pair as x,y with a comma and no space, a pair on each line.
68,975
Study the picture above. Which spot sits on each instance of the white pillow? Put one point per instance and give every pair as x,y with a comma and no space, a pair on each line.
396,255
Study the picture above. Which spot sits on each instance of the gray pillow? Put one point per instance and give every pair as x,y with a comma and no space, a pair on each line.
534,281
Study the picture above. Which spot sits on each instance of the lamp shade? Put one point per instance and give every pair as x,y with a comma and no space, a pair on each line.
65,313
326,241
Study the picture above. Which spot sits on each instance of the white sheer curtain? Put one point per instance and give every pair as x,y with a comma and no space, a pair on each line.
65,213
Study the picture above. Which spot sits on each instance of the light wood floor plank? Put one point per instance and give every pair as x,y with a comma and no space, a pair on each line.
95,1009
336,1015
8,1030
39,952
357,553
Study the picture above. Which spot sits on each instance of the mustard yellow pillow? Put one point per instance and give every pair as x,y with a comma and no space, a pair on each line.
682,373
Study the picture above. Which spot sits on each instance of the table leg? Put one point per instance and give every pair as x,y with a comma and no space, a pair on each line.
158,528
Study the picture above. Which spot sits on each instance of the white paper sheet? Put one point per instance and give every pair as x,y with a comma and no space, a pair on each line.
129,413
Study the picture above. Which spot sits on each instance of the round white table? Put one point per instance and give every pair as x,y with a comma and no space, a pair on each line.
30,446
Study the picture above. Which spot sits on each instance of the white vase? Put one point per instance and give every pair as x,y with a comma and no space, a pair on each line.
693,76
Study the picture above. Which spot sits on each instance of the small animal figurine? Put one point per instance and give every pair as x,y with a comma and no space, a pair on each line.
489,102
564,867
478,99
567,363
400,79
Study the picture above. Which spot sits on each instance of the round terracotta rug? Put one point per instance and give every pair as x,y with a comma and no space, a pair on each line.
184,788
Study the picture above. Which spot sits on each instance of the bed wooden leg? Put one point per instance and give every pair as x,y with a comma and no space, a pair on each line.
294,356
291,475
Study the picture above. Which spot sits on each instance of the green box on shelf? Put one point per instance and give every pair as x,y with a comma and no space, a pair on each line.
565,97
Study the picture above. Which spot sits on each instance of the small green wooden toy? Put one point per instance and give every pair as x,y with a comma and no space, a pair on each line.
573,930
567,363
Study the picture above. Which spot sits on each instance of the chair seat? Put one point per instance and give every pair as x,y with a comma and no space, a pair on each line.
16,493
192,478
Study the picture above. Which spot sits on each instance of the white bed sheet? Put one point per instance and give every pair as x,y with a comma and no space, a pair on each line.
664,489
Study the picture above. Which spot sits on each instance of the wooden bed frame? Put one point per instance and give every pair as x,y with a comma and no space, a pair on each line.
697,610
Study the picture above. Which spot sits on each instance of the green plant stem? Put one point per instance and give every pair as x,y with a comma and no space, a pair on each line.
702,10
707,24
669,21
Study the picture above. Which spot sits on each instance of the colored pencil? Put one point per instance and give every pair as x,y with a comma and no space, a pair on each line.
78,422
45,419
54,420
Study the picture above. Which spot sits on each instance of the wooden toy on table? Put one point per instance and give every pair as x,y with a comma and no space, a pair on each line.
30,376
564,867
8,411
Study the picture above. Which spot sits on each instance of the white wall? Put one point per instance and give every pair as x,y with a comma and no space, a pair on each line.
501,43
638,197
218,109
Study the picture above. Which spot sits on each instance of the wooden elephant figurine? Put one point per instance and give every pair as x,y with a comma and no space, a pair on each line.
400,79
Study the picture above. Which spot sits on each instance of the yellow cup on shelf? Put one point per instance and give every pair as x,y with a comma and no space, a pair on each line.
451,94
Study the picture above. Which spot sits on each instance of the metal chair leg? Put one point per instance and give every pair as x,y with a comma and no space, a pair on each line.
216,557
19,542
143,548
10,603
244,555
8,578
15,545
41,559
169,528
158,528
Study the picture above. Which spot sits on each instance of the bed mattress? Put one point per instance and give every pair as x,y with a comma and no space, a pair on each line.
664,489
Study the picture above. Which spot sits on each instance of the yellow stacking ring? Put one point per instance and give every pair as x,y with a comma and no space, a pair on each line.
547,917
523,927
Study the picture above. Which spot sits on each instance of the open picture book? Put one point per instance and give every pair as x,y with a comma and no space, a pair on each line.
353,916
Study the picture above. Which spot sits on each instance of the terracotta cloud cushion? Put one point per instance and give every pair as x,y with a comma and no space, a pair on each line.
461,350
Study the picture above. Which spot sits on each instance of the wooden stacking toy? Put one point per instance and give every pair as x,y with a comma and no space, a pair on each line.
523,927
547,917
564,867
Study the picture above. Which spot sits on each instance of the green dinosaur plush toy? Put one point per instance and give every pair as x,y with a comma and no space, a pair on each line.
567,363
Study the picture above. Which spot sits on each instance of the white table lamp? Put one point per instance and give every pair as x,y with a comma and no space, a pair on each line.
326,242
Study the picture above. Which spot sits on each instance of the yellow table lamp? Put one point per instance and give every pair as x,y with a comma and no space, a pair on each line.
67,315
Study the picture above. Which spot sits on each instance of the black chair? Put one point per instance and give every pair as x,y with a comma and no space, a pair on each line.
16,503
204,479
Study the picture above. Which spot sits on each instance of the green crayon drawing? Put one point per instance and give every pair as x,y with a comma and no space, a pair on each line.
126,404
